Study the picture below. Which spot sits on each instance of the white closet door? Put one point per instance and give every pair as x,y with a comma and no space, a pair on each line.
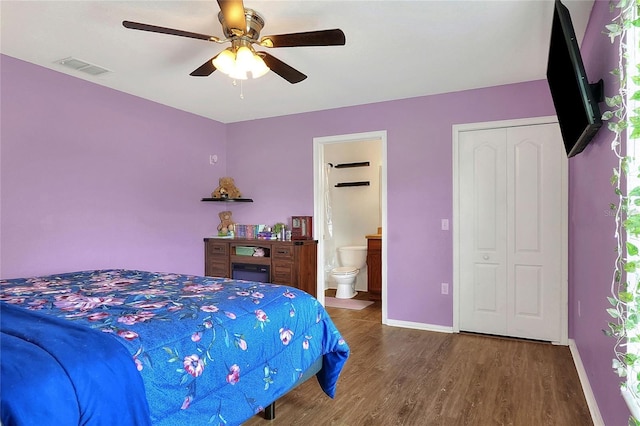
511,231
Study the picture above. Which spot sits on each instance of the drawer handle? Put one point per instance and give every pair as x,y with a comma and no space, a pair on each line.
282,251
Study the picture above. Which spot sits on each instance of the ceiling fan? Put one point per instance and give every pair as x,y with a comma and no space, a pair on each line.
242,28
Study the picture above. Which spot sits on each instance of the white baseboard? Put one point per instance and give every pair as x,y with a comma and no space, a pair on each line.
586,386
418,326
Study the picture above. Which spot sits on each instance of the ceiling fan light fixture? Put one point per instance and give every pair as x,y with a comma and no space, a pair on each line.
259,68
238,74
244,58
225,61
237,65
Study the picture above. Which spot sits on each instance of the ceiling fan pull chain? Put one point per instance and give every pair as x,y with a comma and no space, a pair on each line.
235,83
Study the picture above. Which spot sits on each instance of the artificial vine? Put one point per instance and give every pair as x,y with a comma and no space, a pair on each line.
623,119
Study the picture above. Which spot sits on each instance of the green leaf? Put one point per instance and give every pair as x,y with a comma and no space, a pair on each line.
635,192
613,28
607,115
632,322
630,358
614,100
616,127
613,313
625,296
184,379
632,224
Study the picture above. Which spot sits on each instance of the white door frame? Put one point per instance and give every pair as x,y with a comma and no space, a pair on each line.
456,218
318,203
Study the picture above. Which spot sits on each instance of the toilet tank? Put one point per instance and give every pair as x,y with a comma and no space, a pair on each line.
355,256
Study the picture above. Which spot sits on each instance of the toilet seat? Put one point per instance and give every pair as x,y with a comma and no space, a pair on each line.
344,270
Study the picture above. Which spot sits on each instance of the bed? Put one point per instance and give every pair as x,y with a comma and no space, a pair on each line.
153,348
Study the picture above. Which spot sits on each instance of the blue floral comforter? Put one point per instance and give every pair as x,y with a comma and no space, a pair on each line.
209,350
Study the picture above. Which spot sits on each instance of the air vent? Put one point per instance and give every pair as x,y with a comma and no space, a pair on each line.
80,65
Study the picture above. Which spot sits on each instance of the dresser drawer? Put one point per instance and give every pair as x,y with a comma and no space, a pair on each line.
217,249
282,252
217,269
281,272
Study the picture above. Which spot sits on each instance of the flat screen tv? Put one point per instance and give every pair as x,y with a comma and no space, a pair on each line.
574,98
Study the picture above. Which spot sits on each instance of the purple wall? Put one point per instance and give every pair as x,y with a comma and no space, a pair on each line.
95,178
419,177
591,231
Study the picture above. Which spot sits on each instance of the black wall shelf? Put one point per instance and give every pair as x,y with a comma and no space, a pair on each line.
346,165
345,184
229,200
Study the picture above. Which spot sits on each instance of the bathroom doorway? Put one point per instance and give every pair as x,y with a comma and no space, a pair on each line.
337,161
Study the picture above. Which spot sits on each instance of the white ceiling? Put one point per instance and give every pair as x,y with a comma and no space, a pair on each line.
394,50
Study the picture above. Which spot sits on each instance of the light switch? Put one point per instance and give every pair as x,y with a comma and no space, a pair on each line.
445,224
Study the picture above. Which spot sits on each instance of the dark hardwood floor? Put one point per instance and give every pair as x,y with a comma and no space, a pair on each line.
398,376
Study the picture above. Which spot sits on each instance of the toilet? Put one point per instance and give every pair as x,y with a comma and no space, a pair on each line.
352,259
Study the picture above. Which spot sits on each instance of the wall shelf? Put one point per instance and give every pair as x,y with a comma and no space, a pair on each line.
346,165
229,200
345,184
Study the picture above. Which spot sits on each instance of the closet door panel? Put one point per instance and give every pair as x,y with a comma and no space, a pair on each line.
535,224
483,300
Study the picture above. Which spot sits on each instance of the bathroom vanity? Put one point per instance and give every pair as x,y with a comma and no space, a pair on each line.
292,263
374,265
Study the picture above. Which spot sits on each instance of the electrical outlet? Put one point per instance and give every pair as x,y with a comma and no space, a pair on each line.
213,159
444,288
445,224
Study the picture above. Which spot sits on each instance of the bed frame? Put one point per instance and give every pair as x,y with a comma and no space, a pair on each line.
270,410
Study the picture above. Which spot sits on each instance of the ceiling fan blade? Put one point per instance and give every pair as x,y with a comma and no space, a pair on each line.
233,12
205,69
285,71
170,31
333,37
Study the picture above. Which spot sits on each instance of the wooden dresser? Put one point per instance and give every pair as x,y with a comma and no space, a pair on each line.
292,263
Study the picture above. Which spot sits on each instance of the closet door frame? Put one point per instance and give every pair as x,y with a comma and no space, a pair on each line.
457,129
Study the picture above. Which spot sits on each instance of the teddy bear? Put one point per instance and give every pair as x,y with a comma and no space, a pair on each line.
226,189
226,224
